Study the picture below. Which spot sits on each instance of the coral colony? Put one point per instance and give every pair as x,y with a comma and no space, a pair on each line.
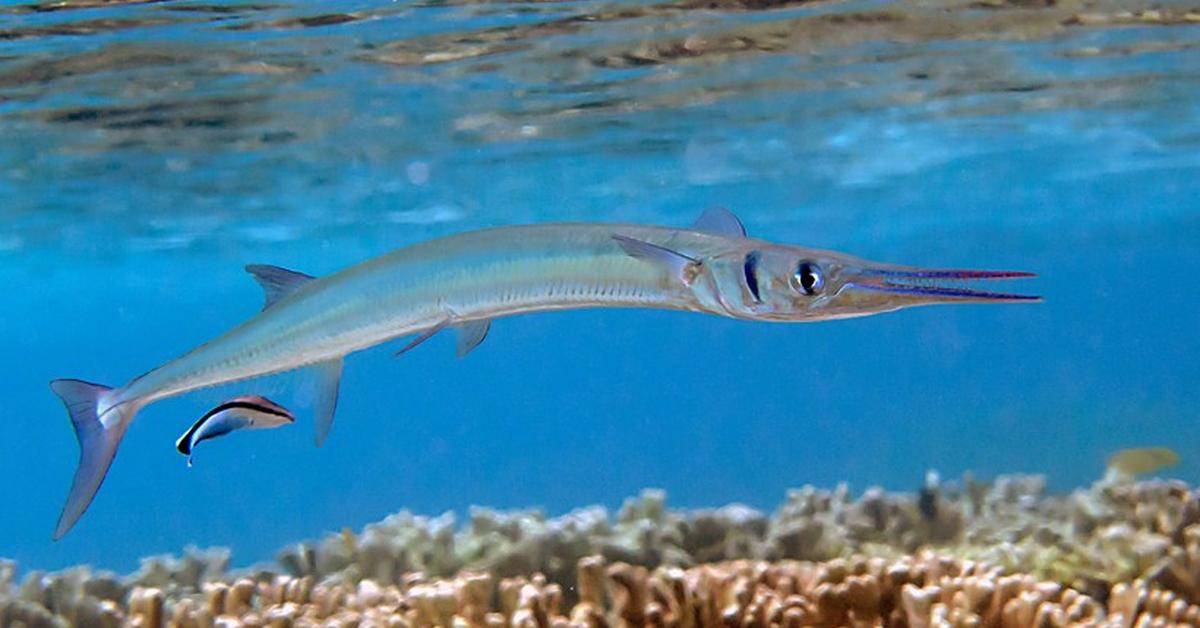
1005,553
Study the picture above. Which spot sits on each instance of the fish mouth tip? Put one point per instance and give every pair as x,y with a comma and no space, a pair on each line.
1018,298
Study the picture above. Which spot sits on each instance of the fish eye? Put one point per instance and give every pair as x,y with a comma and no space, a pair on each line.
809,278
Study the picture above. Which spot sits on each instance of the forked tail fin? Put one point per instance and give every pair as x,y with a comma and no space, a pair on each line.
99,427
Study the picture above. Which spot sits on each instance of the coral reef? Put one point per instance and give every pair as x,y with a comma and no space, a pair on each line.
967,553
1113,532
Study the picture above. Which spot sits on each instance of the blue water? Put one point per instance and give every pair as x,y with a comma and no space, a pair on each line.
150,150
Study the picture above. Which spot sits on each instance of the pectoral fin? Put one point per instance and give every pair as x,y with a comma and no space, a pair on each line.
471,334
425,335
679,265
720,221
277,283
328,378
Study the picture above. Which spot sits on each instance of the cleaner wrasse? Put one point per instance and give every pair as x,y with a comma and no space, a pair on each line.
464,281
251,412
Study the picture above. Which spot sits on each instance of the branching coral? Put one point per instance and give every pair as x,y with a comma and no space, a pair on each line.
921,592
998,554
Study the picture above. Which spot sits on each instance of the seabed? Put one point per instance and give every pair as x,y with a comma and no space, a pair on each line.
1003,553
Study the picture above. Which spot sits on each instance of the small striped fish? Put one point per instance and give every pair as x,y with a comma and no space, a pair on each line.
250,412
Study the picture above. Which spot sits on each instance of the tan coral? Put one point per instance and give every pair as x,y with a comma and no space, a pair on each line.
999,554
925,591
146,608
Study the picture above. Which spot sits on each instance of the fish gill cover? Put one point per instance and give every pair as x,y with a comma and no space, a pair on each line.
150,150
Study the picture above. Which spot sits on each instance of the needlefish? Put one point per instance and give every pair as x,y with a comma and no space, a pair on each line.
464,281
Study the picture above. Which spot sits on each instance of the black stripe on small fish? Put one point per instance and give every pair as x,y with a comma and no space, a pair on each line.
245,405
749,269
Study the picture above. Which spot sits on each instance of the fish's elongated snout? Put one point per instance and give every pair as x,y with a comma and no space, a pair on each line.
918,286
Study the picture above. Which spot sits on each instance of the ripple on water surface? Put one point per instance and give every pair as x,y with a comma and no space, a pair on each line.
259,111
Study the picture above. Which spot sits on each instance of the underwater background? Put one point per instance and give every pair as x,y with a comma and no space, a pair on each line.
148,150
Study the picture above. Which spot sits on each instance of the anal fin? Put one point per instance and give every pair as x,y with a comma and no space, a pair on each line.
328,377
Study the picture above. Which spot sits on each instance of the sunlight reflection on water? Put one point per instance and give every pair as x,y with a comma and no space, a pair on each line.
421,113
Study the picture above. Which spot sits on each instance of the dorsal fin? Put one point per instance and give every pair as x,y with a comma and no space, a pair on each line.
277,283
720,221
